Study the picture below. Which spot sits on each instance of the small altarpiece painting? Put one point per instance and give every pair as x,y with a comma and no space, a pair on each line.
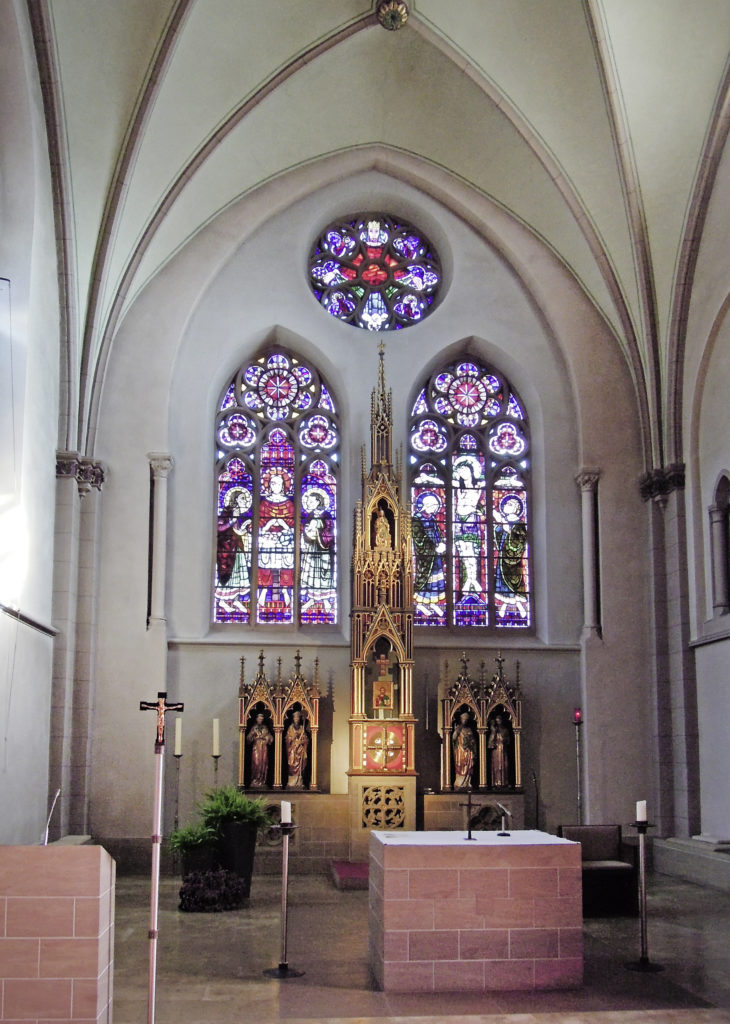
481,731
278,729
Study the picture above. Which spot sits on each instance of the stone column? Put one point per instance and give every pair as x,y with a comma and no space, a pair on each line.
719,555
160,464
587,480
73,617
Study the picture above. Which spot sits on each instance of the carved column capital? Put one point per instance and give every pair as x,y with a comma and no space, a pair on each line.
161,464
659,483
89,475
86,472
588,479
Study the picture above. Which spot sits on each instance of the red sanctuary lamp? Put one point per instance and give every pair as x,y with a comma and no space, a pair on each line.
577,722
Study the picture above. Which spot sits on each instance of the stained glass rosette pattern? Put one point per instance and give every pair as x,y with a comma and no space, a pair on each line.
277,441
469,457
375,272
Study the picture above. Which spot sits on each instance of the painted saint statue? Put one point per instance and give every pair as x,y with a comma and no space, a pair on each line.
498,744
259,738
296,741
464,745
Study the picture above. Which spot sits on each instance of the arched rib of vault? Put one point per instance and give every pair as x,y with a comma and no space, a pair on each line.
96,355
115,197
577,327
569,193
68,326
684,279
528,135
698,495
636,216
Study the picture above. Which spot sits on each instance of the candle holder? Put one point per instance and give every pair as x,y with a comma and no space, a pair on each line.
643,963
284,971
216,759
176,823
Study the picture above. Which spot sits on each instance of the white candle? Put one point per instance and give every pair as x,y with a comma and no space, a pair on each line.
285,812
178,736
641,810
216,737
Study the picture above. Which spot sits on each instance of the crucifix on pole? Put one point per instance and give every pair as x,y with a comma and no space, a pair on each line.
161,707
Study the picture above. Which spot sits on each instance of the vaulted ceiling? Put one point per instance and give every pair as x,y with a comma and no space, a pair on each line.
598,124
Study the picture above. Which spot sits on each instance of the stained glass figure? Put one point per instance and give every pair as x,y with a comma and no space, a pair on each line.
318,563
277,441
232,588
469,531
509,514
428,527
276,531
469,458
375,272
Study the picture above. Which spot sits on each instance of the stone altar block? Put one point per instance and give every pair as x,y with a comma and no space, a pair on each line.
498,912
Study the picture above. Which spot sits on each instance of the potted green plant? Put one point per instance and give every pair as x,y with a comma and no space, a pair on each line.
197,846
236,819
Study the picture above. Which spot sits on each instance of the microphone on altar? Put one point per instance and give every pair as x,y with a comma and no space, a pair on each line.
504,810
44,837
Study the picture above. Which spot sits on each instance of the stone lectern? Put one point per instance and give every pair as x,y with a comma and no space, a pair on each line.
57,946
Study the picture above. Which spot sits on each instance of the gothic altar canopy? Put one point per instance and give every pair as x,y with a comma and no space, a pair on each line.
481,730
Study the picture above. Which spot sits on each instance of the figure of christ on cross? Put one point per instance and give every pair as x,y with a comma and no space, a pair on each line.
160,706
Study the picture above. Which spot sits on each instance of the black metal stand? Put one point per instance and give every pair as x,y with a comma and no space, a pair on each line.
284,971
216,759
468,837
643,963
504,831
578,722
176,823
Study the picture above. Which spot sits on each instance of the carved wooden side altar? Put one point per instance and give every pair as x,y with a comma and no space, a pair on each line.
279,722
482,731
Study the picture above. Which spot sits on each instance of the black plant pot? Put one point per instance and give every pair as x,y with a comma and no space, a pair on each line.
237,848
199,859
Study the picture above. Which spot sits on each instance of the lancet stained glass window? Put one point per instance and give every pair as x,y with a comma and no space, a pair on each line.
375,271
277,442
469,459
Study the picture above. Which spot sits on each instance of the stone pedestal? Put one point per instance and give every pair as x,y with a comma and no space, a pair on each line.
443,812
379,802
447,914
56,933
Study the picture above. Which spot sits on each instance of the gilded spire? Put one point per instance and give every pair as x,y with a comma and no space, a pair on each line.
381,418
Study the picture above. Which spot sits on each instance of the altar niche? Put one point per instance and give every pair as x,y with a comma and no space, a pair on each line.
481,731
384,677
278,727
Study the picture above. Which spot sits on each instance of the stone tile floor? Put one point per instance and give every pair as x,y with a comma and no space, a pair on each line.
210,966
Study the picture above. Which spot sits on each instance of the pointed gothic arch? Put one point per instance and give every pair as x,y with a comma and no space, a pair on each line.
277,454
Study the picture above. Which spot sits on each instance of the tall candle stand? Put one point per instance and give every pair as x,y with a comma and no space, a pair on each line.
177,806
284,971
643,963
216,759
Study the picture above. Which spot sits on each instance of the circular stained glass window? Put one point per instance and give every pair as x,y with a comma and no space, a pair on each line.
375,271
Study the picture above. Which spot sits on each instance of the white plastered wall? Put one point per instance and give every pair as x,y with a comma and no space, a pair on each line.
203,316
29,364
